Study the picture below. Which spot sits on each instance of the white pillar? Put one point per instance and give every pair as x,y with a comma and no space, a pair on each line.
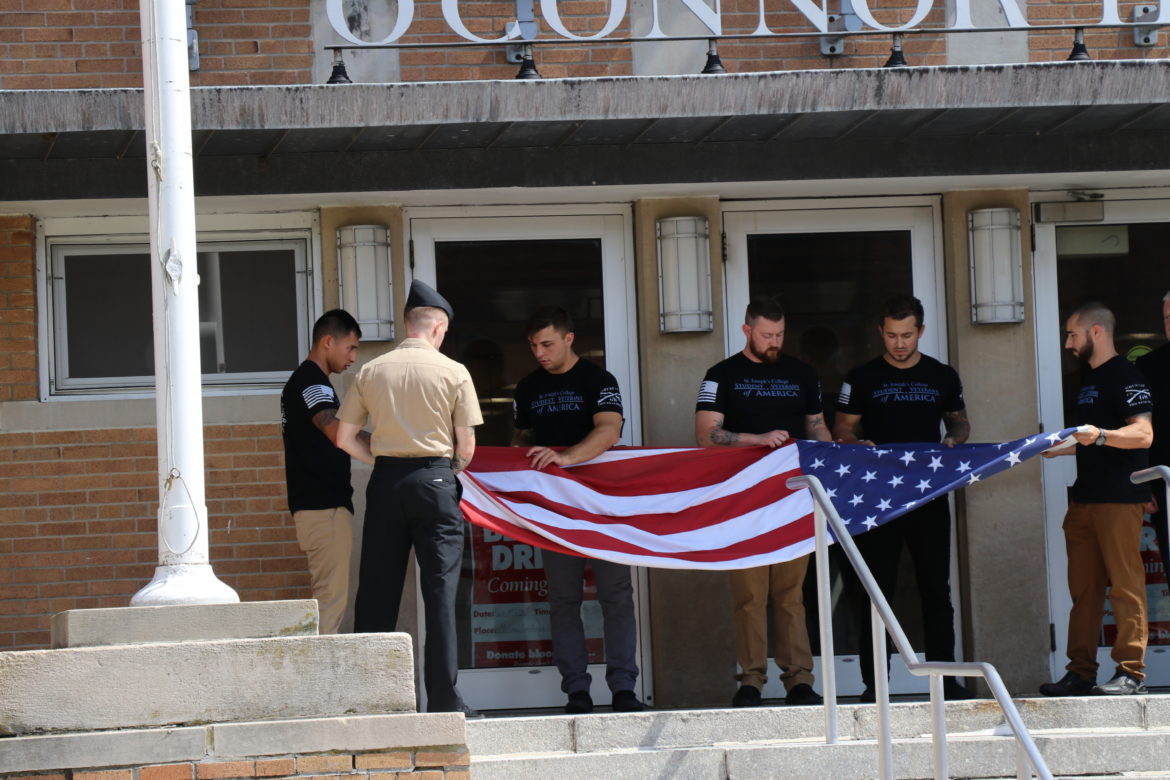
184,574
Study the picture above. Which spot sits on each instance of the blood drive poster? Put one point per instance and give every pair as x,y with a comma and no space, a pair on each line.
1157,593
509,605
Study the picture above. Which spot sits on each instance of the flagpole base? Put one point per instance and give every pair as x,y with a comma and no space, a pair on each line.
184,583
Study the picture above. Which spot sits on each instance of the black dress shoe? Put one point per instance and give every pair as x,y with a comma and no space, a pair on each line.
747,696
803,695
1072,684
580,703
626,701
470,713
1121,685
868,696
953,690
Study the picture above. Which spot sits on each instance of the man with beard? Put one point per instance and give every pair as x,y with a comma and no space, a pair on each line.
1103,525
905,396
759,397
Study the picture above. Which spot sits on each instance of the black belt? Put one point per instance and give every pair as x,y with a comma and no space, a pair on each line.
387,460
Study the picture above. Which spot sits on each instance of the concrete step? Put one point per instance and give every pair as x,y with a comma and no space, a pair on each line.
1078,737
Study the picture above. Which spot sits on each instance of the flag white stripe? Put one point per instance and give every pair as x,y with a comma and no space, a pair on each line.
615,456
567,491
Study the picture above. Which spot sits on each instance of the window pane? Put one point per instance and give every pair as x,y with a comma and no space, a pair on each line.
107,315
256,312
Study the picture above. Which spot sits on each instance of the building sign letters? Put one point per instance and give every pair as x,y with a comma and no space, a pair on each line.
708,16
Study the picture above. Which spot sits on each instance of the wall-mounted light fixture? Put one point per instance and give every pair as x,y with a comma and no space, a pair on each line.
997,267
363,275
684,275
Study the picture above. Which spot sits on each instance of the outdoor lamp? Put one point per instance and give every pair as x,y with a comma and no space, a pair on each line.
997,267
363,276
684,275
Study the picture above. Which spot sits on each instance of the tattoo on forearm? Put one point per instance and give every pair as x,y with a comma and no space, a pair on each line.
458,463
723,437
324,418
958,428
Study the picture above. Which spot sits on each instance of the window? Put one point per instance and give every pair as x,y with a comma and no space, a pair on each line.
253,312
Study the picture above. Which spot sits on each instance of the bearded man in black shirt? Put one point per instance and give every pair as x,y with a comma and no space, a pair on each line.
1103,525
903,396
320,496
759,397
576,405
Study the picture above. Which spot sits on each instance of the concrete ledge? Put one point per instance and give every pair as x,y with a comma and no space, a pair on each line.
142,686
182,623
372,732
408,731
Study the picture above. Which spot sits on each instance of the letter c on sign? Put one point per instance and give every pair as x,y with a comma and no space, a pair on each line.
401,22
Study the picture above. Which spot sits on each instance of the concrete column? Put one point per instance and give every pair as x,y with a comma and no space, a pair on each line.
1001,535
693,640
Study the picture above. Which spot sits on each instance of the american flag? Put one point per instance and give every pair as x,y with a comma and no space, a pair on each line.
718,508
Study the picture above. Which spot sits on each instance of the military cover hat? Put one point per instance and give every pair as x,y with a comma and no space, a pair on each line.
422,294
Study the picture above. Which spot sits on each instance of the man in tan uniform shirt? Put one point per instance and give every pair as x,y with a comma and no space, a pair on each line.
422,407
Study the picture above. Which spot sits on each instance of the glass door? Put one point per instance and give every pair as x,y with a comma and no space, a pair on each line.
1120,261
496,271
832,269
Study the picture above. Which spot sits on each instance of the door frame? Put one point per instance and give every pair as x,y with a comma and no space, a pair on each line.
1059,473
539,687
922,216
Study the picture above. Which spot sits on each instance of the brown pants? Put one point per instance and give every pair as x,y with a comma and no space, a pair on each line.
1103,544
326,536
750,589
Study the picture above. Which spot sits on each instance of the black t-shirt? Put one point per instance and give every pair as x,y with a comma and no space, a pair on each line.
316,471
901,404
1155,367
1109,394
559,408
761,397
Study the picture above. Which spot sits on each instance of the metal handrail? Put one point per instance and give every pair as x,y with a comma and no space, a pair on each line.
1028,757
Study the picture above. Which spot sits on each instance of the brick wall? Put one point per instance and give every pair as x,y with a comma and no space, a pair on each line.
87,44
78,522
18,314
432,763
58,44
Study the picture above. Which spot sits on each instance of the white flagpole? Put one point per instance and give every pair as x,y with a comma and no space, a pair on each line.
184,574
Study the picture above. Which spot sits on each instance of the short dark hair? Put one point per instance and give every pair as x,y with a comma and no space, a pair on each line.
764,306
545,316
899,307
337,323
1096,313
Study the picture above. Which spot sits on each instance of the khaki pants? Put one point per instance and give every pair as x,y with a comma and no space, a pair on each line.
1103,544
750,589
326,536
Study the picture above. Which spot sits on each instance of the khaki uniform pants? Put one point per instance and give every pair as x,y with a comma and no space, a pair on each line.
750,589
1104,544
326,536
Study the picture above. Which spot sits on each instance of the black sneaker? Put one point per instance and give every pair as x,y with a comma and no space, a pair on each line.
580,703
1072,684
1121,685
803,695
747,696
953,690
626,701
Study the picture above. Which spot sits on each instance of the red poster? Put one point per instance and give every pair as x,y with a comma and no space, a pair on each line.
509,605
